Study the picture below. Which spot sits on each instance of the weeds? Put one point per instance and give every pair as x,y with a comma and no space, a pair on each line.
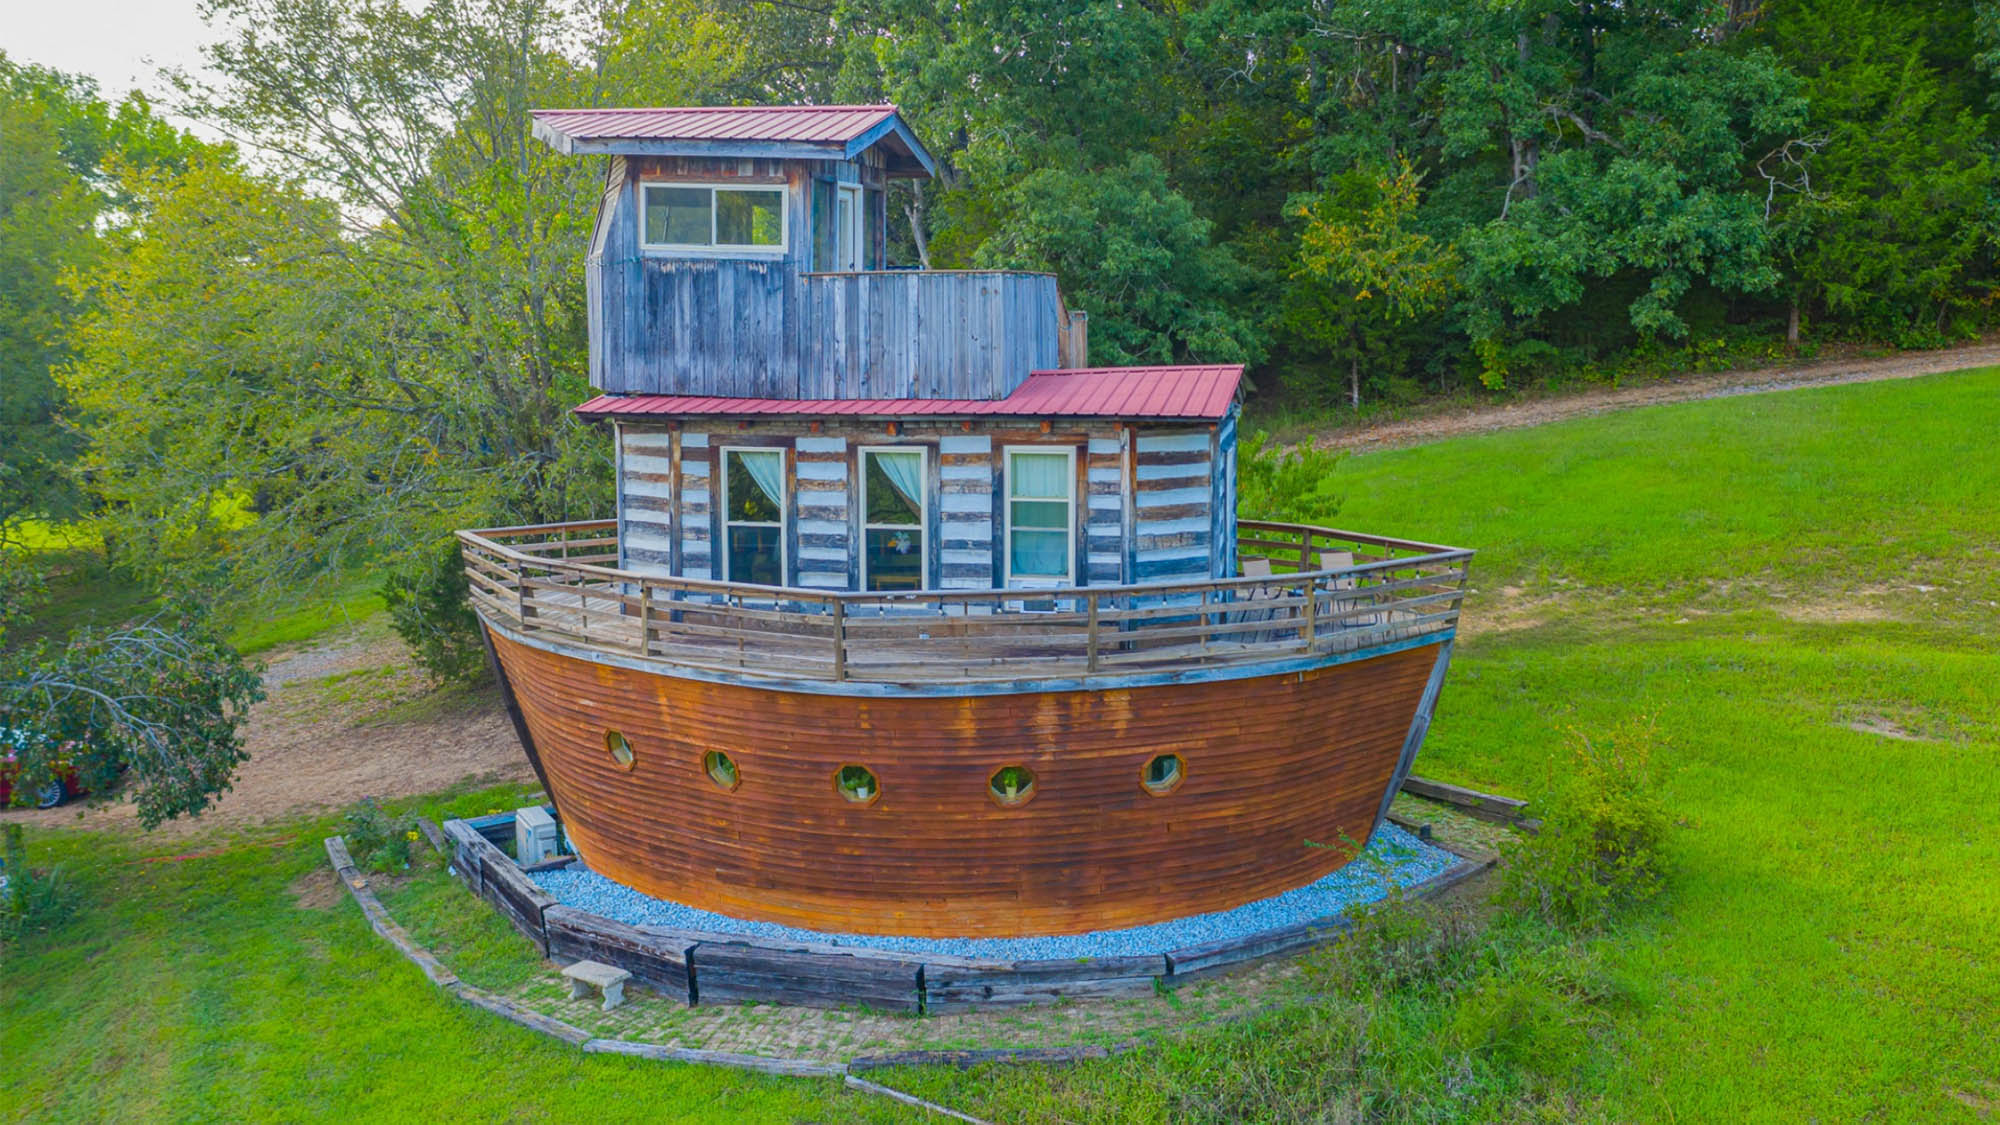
31,901
376,839
1600,845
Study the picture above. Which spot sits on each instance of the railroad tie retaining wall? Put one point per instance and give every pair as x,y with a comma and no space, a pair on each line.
693,966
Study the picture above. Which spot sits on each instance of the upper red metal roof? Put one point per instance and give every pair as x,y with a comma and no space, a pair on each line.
1204,392
825,124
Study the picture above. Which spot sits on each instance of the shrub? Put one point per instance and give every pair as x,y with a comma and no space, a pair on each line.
1277,483
31,901
1397,944
1599,848
377,839
430,608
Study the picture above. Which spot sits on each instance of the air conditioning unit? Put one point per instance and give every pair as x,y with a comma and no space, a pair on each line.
534,835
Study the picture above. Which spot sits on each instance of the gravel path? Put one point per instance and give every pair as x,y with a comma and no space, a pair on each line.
1686,388
1404,859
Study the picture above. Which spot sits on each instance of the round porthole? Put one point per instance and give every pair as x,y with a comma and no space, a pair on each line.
721,769
1163,774
619,749
856,784
1011,785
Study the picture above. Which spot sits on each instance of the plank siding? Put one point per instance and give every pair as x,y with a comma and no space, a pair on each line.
1272,762
767,327
1173,533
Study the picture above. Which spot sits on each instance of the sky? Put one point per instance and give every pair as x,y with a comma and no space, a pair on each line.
118,42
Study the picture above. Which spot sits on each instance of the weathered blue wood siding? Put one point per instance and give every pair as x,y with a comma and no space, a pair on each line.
664,322
1222,506
1173,498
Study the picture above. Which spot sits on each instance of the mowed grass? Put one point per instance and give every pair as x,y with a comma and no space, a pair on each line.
1745,572
1798,589
195,986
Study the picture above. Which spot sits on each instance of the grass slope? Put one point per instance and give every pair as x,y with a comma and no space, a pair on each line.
197,987
1749,572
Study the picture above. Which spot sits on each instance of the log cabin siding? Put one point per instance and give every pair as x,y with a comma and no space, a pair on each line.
1165,524
696,506
1173,501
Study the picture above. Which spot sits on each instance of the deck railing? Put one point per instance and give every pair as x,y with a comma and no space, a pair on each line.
1308,592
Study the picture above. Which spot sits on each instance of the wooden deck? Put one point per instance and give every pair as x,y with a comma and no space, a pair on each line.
1327,593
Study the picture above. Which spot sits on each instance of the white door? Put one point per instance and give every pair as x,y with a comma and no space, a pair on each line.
847,228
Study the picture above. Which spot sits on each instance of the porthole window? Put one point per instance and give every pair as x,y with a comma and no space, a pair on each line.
619,749
857,784
1011,785
1163,774
721,769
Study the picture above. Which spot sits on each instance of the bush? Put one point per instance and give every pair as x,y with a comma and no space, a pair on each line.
377,839
1599,849
431,609
1277,483
31,901
1400,945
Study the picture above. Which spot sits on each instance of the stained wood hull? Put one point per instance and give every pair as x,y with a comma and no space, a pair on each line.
1283,771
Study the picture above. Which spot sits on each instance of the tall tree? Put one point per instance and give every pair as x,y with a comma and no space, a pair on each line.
59,204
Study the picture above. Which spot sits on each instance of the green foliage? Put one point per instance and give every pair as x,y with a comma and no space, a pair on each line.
1887,207
429,606
1131,250
1599,848
162,701
378,840
1295,484
60,213
32,900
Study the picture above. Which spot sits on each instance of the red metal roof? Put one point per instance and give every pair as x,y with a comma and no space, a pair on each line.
1204,392
822,124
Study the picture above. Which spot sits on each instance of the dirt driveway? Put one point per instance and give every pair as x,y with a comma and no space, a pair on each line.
349,717
1686,388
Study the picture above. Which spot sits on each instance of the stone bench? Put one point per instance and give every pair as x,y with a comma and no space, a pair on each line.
609,980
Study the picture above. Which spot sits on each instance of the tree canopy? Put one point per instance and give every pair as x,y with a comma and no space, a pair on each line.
359,324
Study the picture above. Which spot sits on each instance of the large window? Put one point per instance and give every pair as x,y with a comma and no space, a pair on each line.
1041,487
753,516
892,519
707,217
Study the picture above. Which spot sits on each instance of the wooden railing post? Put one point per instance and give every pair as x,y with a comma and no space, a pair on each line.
839,639
1311,630
1091,657
521,594
645,620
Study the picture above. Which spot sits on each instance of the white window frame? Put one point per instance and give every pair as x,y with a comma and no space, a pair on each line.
1037,581
784,511
923,510
720,250
851,230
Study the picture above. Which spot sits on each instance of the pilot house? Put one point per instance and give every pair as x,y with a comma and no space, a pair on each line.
791,409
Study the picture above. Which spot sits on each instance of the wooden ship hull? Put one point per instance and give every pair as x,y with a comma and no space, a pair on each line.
1292,733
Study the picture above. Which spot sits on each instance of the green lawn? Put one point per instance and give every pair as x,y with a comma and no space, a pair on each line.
195,987
1750,572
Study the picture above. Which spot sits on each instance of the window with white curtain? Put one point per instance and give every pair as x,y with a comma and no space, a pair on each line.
1041,516
893,508
753,516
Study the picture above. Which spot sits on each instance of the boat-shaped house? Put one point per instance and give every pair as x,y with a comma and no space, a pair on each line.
910,621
